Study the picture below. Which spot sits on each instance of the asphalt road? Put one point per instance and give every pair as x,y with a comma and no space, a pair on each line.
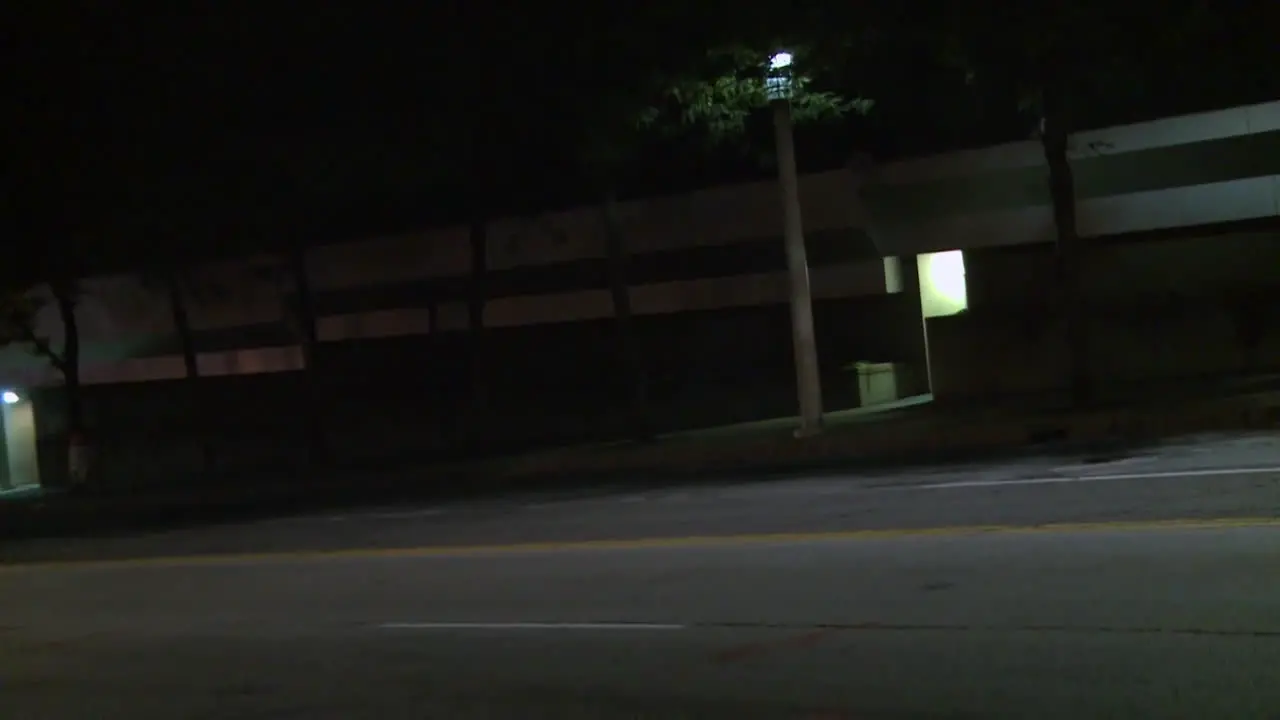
1210,477
928,595
1169,623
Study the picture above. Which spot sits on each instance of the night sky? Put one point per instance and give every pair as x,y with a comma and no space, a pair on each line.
238,119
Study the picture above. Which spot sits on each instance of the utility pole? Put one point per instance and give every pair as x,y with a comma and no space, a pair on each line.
804,340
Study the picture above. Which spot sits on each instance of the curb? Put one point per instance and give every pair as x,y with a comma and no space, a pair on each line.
889,441
901,444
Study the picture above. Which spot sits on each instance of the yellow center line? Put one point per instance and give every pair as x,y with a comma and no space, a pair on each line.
687,541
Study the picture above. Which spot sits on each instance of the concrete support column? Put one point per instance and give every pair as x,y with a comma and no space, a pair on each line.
21,461
808,379
902,275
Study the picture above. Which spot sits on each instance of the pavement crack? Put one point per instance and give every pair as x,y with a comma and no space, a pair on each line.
749,651
936,586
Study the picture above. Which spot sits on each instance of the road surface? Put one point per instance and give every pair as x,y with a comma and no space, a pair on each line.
1148,588
1209,477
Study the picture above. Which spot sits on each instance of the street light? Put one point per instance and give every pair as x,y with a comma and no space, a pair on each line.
9,397
780,85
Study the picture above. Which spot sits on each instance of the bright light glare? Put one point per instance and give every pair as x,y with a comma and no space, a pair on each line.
943,283
780,61
9,397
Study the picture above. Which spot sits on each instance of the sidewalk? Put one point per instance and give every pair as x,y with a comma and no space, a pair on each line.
911,431
906,433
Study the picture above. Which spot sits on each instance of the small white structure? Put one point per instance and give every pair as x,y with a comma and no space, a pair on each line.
21,467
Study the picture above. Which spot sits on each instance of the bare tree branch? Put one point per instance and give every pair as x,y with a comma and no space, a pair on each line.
26,333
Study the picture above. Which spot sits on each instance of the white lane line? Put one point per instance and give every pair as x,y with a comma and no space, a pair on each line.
1092,478
528,626
387,515
428,512
989,483
1188,473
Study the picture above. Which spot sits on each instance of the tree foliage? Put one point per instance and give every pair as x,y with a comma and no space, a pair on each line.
713,99
1096,63
49,277
693,76
21,312
720,98
1075,65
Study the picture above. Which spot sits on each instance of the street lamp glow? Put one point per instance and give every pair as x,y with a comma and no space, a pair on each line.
778,79
9,397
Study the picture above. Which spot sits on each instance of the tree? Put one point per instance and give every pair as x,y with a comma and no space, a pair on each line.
478,149
1074,65
177,283
21,313
301,314
477,296
292,282
711,95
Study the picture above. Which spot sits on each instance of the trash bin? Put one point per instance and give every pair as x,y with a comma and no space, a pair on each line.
877,383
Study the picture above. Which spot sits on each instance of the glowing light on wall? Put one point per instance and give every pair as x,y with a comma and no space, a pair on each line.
942,284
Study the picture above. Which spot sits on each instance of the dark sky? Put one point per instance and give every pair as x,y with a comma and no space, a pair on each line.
354,102
333,119
237,108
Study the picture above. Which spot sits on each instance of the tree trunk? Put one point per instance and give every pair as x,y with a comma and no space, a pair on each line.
190,359
64,296
78,448
182,325
1069,246
628,353
475,313
305,309
308,336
